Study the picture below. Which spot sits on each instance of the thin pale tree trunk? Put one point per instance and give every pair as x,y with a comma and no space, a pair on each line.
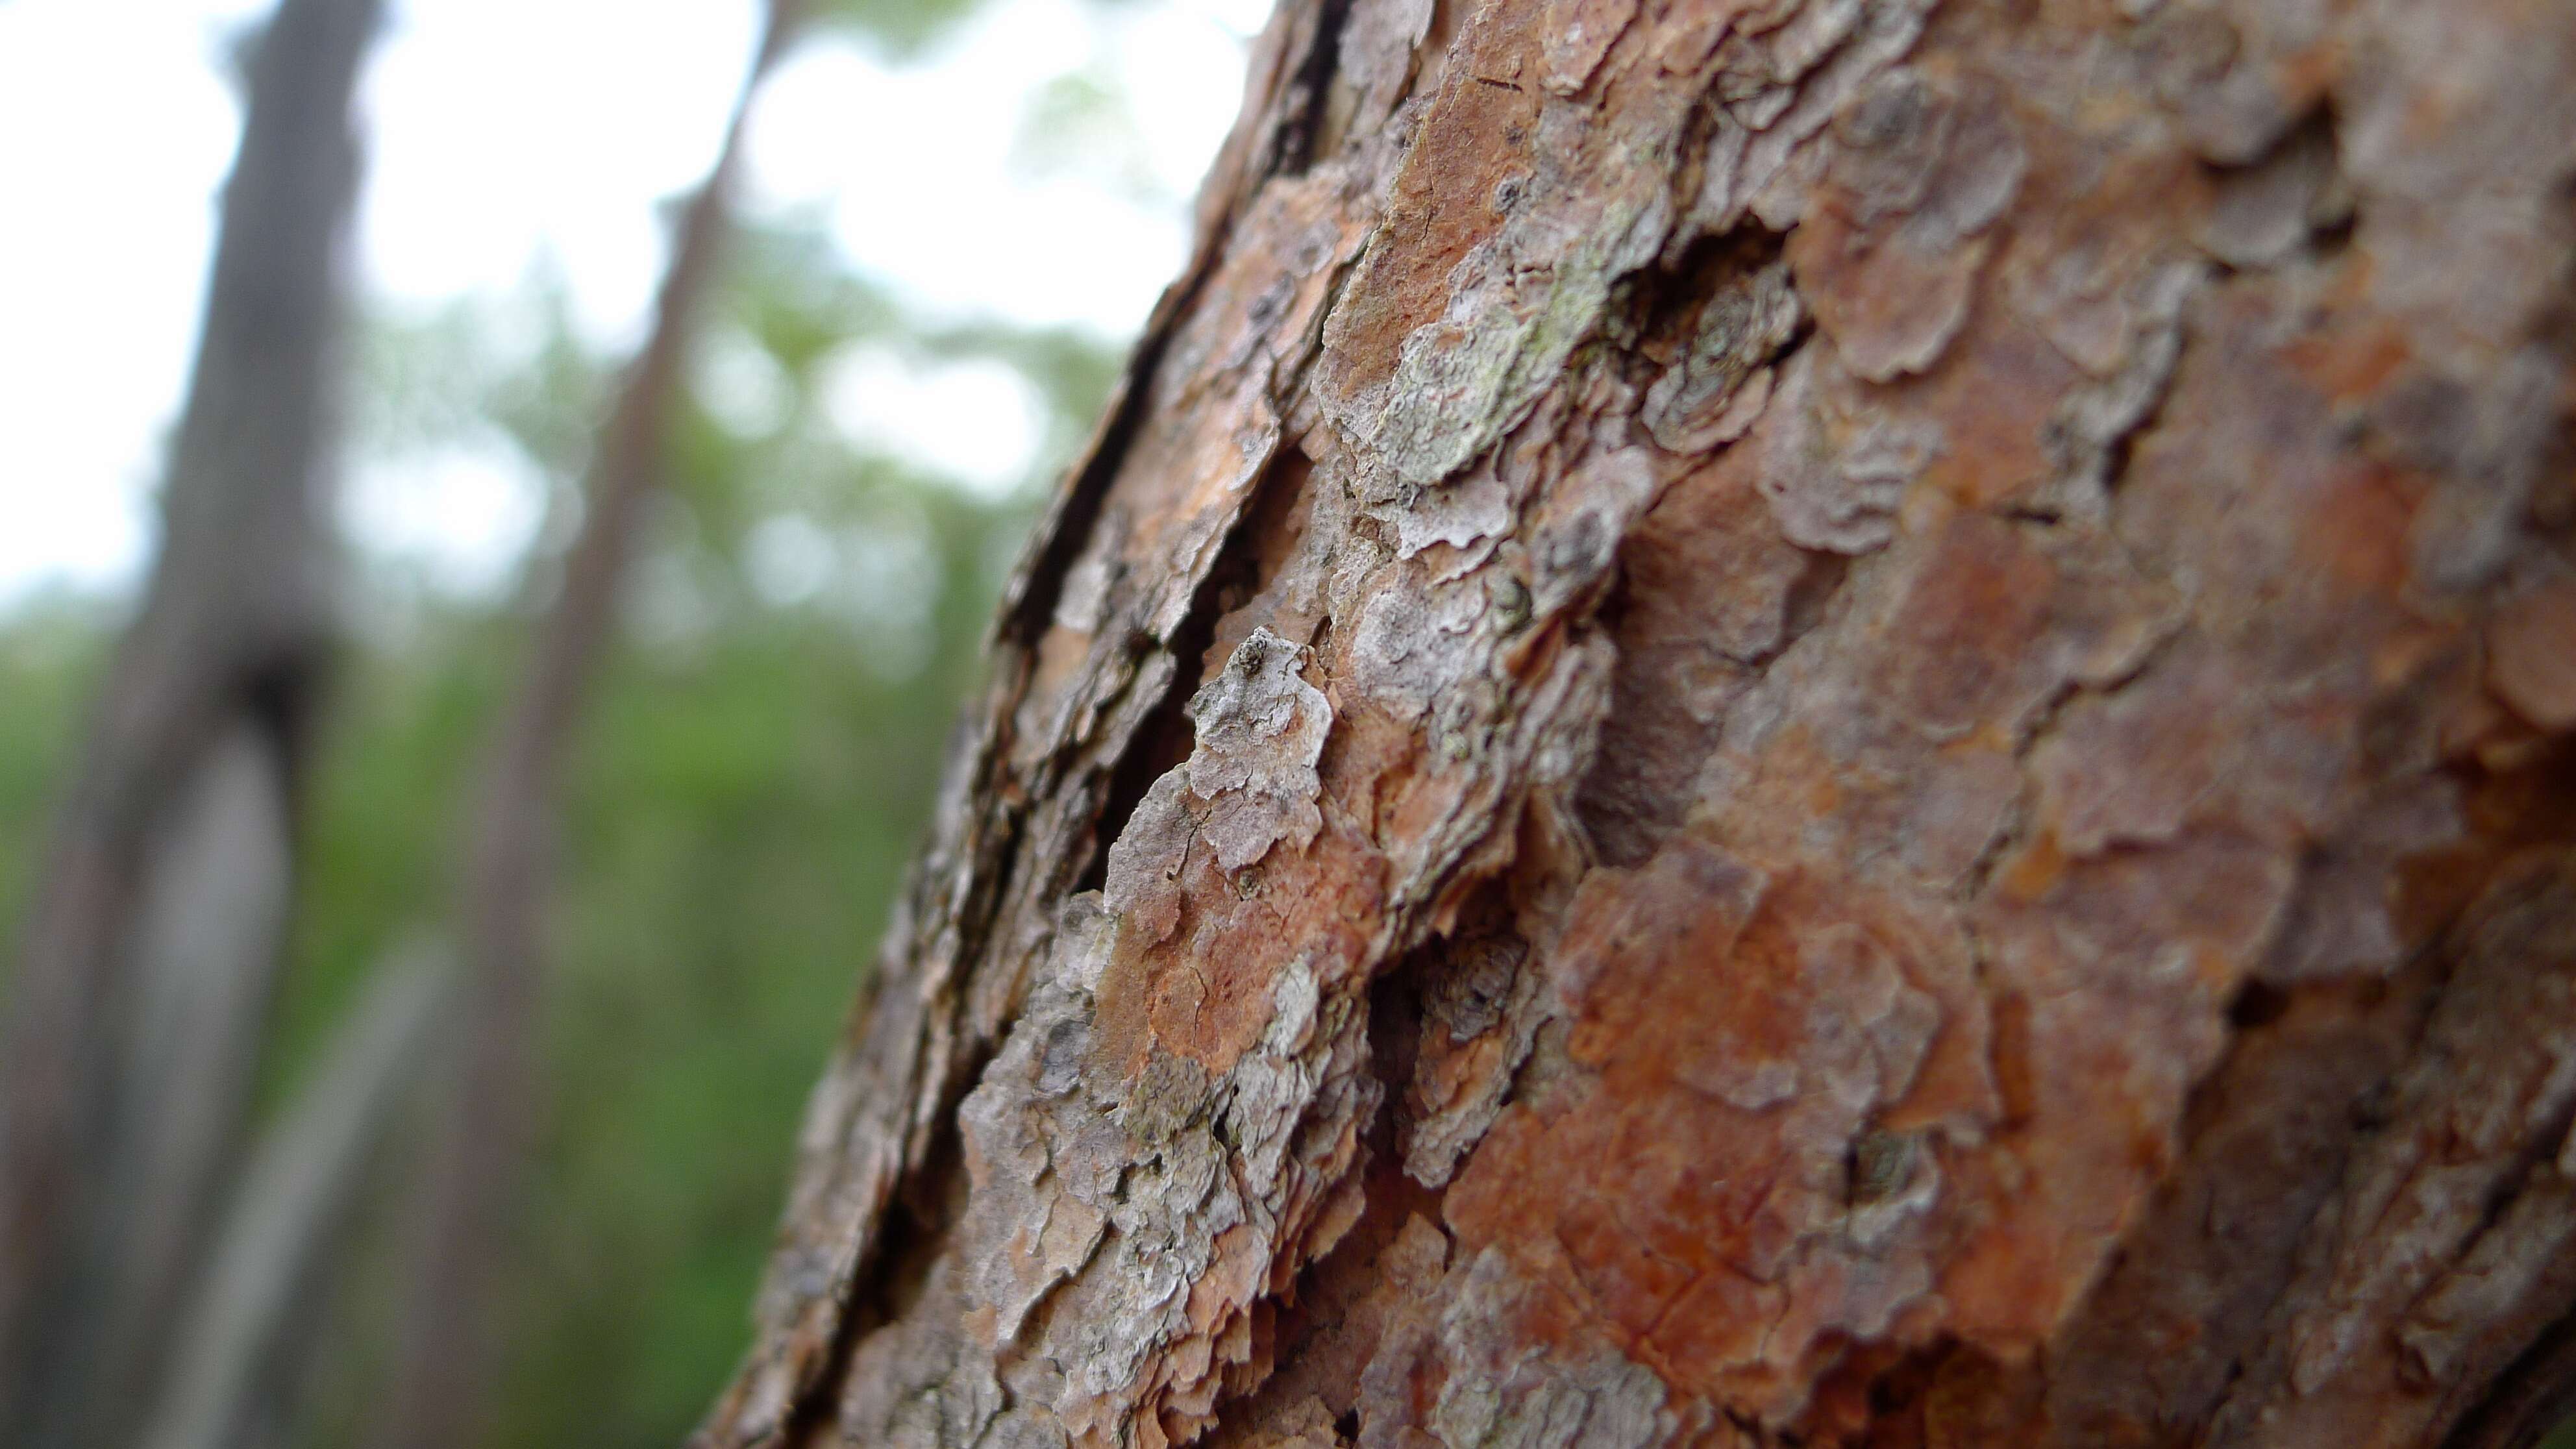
1830,722
446,1359
248,1339
141,994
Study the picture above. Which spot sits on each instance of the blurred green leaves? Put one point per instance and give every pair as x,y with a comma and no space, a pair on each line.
51,653
753,777
900,28
1081,123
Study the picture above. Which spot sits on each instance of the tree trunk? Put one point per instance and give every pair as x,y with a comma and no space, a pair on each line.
446,1364
141,996
1838,723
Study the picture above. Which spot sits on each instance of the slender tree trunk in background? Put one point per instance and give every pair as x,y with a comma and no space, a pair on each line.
141,995
1812,721
446,1362
248,1340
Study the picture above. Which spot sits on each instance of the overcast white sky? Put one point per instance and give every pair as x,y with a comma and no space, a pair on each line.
503,130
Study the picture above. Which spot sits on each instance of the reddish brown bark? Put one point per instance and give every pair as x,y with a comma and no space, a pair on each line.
1837,722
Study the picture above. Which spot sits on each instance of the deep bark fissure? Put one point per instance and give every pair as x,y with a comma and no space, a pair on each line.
2528,1400
1310,94
1028,609
1163,740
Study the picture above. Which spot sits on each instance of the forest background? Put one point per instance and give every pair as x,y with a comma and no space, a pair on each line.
956,213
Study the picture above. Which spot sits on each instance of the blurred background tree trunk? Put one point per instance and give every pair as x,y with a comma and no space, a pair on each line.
142,991
447,1364
1823,721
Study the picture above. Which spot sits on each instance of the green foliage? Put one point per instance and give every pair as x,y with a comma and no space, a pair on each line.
51,654
739,818
383,819
752,778
901,28
1080,122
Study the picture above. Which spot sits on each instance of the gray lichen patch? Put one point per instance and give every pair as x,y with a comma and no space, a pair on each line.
1150,1214
1465,512
1261,729
1836,469
1467,378
1497,1394
1525,283
1408,649
1143,887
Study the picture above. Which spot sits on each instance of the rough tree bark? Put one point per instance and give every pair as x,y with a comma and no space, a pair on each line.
1766,721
